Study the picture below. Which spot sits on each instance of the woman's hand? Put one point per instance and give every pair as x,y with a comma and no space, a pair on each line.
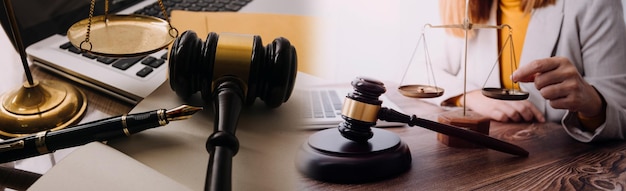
504,111
558,80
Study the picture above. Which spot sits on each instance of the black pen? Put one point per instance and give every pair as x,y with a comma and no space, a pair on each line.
100,130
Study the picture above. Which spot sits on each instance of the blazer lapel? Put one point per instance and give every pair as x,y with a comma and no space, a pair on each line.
542,33
540,42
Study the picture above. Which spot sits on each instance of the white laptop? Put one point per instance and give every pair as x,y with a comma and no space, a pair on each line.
324,107
129,80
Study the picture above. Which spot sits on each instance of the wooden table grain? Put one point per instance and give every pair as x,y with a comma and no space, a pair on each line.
556,161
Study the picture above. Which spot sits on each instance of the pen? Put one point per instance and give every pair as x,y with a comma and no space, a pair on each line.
100,130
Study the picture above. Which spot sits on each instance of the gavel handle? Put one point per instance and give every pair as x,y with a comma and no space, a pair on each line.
222,145
391,115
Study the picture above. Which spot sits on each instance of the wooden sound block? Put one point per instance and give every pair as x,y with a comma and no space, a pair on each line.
470,120
328,156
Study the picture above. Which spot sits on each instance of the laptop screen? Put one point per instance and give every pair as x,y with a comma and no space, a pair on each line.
39,19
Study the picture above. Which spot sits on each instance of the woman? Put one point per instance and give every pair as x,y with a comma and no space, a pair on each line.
571,55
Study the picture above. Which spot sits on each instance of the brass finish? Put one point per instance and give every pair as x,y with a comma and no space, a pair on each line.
505,94
360,111
181,112
141,34
12,145
420,91
162,117
233,56
121,35
125,127
40,142
45,105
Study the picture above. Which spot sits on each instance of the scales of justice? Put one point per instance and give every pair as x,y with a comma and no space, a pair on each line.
355,152
462,118
44,105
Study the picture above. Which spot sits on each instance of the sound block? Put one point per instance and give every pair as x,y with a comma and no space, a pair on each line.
470,120
328,156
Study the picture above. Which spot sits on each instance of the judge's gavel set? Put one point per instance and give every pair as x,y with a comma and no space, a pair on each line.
232,70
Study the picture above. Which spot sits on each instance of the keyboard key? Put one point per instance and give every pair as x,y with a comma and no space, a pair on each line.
89,55
66,45
193,5
106,60
334,98
231,7
144,72
126,63
153,62
74,50
329,112
148,60
194,8
317,106
157,63
239,2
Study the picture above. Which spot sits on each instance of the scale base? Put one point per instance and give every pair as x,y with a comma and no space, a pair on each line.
470,120
327,156
45,105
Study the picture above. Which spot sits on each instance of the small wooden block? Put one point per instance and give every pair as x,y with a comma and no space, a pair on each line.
470,120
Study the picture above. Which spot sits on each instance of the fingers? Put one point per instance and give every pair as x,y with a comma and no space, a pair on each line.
504,111
515,111
526,110
527,73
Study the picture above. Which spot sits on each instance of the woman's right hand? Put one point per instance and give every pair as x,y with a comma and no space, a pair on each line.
503,111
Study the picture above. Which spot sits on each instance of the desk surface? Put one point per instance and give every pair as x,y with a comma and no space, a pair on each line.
556,161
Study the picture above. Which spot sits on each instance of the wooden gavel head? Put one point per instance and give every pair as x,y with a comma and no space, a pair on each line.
360,109
268,72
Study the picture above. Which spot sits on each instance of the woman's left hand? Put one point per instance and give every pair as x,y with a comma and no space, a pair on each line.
558,80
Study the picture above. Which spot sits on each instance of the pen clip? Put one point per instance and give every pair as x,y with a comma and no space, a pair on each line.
11,145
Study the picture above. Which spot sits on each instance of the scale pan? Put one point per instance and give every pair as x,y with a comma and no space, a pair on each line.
420,91
505,94
122,35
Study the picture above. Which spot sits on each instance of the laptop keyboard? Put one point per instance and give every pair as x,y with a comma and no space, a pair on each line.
150,62
322,104
193,5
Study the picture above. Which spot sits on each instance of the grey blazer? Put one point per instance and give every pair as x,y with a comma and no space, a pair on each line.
592,34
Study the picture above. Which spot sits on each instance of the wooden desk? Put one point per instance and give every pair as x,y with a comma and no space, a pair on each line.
556,161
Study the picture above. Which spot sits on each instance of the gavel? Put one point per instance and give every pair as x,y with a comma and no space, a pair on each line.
230,70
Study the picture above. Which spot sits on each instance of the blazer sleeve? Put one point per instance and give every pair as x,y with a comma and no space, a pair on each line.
602,35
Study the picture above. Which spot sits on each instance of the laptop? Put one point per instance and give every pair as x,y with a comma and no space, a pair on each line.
44,23
324,105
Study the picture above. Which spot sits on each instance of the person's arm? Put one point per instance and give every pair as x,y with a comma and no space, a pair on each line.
597,85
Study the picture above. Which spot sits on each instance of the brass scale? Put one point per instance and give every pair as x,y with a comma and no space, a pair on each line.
431,90
136,35
122,35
